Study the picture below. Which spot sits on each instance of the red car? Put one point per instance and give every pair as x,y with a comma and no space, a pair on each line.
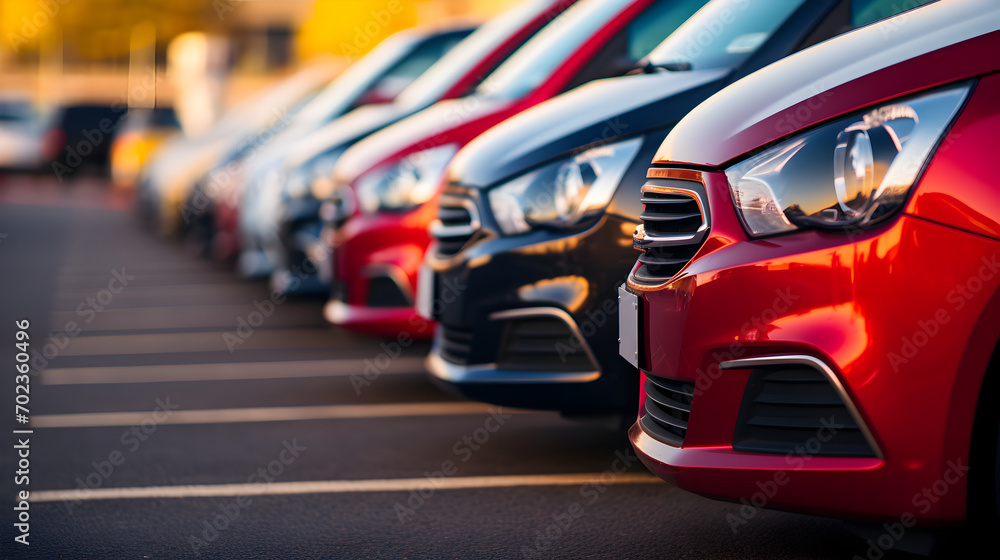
395,173
816,311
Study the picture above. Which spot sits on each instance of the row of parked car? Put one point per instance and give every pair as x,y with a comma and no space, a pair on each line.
814,305
80,137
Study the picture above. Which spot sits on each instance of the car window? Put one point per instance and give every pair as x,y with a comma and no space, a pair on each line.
16,112
429,52
164,117
633,43
723,34
657,23
864,12
410,68
533,63
848,15
454,66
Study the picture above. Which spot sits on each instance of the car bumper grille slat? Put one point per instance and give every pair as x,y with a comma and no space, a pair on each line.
788,408
667,409
674,226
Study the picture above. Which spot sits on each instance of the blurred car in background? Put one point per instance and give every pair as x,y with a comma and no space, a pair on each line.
82,135
822,334
456,75
536,218
378,77
394,175
136,137
174,166
24,142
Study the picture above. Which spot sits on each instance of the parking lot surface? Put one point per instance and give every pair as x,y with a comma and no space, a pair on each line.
178,411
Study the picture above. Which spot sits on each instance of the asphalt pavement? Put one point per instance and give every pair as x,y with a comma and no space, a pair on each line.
177,411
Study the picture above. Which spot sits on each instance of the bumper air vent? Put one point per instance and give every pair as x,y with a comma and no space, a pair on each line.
667,409
796,409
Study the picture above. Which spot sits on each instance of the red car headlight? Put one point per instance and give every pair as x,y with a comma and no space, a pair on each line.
405,184
876,157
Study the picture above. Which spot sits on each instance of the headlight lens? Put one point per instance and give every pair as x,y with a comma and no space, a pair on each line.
565,193
876,156
313,177
406,184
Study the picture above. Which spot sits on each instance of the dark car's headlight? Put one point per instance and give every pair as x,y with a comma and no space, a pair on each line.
405,184
851,172
312,178
564,193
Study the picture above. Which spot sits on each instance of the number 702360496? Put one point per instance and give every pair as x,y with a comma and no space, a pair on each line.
22,380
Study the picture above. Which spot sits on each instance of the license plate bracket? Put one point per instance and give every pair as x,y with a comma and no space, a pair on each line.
628,326
425,292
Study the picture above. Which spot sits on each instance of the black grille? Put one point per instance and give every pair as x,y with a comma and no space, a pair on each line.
338,291
667,409
455,344
673,228
668,213
456,224
383,291
542,344
791,409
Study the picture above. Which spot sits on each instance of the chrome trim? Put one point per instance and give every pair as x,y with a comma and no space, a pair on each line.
802,359
651,447
394,273
565,317
438,229
335,311
648,188
488,373
338,312
640,239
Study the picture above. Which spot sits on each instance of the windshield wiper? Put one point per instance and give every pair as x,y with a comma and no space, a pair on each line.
677,66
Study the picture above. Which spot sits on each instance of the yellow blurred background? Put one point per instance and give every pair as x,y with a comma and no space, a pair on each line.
59,51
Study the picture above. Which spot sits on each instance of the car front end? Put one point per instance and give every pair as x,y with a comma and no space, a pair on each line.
813,312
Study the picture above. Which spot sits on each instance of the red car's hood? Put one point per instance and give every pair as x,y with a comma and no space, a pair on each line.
935,44
424,130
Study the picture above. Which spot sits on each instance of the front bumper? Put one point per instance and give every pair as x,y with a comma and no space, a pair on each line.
375,263
304,250
896,313
512,334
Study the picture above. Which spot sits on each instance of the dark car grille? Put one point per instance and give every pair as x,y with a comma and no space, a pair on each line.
674,225
542,344
383,291
338,291
791,409
667,409
455,343
342,206
458,221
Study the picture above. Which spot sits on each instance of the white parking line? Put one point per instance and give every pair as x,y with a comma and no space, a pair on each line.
95,283
181,316
269,414
206,341
339,486
176,294
225,371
